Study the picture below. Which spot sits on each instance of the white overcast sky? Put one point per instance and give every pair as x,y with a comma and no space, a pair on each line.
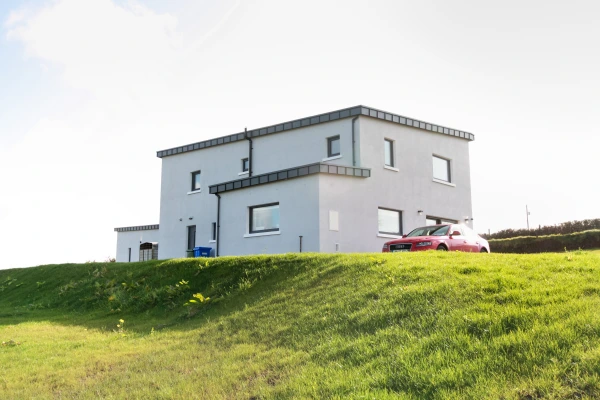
91,89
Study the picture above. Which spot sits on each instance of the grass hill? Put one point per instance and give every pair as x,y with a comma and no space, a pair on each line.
377,326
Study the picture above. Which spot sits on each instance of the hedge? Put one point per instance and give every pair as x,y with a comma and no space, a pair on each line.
550,243
561,229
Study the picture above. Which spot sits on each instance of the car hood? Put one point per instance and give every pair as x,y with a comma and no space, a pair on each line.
417,239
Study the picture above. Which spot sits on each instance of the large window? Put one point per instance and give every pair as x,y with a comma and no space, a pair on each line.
191,237
441,169
389,152
264,218
195,180
333,146
390,221
245,165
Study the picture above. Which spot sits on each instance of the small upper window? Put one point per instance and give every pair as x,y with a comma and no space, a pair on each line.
389,152
264,218
195,180
245,165
441,169
333,146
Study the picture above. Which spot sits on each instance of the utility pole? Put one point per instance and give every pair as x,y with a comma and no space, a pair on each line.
528,213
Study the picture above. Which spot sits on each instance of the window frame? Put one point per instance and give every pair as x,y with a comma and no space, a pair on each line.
244,168
449,167
194,174
400,231
251,219
329,141
392,161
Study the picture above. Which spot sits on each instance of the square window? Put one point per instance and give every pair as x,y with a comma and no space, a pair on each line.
441,169
264,218
245,165
390,221
333,146
195,180
389,152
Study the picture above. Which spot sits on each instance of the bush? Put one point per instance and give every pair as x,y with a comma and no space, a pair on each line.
541,244
561,229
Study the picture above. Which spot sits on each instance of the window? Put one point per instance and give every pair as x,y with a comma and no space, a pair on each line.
264,218
333,146
191,237
245,165
390,221
389,152
195,181
213,231
441,169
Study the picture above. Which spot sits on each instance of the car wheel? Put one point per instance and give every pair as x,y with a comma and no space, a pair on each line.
483,250
442,248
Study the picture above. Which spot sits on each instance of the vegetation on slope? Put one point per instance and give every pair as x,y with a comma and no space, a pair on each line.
551,243
423,325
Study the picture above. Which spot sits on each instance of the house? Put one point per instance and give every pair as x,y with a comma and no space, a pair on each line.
342,181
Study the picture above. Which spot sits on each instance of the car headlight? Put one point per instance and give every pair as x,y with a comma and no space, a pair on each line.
423,244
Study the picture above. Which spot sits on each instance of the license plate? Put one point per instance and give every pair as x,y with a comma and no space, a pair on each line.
399,250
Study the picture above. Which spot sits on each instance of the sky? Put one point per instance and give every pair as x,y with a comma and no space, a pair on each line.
90,90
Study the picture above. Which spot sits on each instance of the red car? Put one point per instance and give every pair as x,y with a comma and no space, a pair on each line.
439,237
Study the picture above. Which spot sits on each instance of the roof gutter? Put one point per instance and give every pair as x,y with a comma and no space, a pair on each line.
353,142
249,152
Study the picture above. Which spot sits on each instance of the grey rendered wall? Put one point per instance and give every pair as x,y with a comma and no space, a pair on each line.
410,189
132,239
299,215
178,209
223,163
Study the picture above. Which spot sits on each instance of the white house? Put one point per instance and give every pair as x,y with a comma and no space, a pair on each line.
346,181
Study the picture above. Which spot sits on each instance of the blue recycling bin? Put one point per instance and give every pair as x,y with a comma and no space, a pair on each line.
202,251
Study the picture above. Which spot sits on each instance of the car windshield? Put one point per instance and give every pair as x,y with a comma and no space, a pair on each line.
435,230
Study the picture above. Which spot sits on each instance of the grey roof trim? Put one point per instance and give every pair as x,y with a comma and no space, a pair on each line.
290,173
319,119
137,228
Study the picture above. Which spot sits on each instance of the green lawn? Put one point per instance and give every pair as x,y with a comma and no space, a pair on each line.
369,326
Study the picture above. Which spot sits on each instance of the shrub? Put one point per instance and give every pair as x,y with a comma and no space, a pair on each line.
561,229
541,244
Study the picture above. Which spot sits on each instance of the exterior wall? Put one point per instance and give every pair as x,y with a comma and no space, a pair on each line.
298,215
301,146
132,239
409,189
223,163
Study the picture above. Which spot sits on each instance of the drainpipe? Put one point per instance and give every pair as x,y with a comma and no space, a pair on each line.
218,223
353,143
249,152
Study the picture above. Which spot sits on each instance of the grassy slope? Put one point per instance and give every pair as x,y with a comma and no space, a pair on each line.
424,325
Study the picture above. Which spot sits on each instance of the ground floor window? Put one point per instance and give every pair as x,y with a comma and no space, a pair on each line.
264,218
148,251
390,221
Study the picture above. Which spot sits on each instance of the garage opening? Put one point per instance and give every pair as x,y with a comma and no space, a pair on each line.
149,251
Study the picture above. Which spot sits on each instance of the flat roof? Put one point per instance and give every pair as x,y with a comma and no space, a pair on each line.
137,228
319,119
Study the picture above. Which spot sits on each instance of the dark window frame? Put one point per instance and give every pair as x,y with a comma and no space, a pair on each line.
329,141
399,221
391,142
188,237
448,161
245,167
251,209
194,174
